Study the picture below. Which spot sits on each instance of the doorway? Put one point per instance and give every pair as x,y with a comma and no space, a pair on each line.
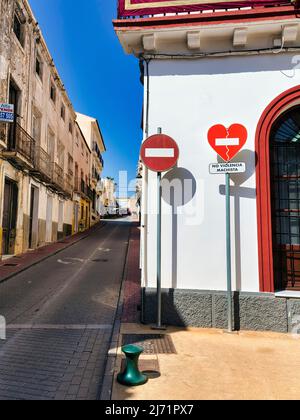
14,98
285,198
10,211
34,217
49,219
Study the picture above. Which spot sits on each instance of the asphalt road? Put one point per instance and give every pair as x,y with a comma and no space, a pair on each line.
60,315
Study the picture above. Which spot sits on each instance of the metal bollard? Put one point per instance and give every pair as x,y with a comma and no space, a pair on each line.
131,375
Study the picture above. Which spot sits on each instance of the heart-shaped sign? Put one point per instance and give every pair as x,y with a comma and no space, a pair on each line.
227,142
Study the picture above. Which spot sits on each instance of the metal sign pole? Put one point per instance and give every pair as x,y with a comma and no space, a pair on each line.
159,300
159,207
155,153
228,252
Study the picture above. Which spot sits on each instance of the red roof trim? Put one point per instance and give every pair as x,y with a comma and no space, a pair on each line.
274,13
133,8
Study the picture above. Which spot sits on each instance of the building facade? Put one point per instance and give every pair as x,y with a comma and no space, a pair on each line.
82,192
92,133
38,150
206,64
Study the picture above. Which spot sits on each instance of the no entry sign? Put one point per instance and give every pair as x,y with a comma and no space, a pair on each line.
227,142
160,153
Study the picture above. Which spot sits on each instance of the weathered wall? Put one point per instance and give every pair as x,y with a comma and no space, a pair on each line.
18,65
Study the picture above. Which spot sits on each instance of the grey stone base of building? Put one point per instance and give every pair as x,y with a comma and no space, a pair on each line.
208,309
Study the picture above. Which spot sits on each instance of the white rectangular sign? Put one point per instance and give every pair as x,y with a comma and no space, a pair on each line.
160,153
227,168
6,113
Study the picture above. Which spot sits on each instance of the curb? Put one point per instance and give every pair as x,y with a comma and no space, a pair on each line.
112,354
93,229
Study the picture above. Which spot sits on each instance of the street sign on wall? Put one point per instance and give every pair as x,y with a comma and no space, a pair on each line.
6,113
160,153
227,142
227,168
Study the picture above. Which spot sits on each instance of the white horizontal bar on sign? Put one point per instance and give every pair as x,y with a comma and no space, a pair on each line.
160,153
228,142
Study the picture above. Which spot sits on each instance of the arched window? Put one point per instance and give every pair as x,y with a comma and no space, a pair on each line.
285,199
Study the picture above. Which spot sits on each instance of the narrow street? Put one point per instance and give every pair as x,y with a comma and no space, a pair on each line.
60,315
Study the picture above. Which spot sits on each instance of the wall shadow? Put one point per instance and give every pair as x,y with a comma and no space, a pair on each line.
179,187
238,192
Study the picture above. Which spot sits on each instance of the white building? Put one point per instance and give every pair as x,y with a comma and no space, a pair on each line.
234,66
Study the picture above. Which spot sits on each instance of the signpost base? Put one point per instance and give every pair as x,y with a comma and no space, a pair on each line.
157,328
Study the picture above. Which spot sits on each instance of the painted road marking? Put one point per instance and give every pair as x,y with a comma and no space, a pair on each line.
59,327
160,153
228,142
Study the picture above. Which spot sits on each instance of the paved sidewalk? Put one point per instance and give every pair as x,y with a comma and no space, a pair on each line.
206,364
19,263
132,282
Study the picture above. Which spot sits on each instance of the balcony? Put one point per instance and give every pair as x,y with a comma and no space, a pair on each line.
98,154
42,164
77,186
58,177
20,147
68,187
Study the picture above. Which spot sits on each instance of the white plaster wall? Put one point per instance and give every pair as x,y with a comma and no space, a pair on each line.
186,99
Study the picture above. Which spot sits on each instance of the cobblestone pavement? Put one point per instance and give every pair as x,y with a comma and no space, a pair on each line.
60,315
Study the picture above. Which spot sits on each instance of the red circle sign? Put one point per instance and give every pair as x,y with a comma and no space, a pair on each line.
160,153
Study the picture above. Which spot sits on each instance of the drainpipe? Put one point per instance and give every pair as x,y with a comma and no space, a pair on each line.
144,203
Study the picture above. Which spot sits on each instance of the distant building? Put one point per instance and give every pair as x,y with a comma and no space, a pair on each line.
92,133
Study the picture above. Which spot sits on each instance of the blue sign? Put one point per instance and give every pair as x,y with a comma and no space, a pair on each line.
7,113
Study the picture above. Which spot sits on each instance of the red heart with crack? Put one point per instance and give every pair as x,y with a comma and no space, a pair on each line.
227,142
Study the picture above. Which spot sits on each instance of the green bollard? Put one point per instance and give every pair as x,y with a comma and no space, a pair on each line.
131,375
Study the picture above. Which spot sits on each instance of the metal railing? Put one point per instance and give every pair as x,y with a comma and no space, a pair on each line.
83,187
19,141
68,187
57,175
77,186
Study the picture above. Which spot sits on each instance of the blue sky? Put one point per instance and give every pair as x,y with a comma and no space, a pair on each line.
101,80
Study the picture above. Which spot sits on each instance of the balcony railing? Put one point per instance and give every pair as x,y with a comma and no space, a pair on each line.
43,163
90,193
68,187
58,176
96,150
20,145
83,188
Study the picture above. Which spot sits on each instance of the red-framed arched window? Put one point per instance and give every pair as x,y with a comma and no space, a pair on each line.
263,182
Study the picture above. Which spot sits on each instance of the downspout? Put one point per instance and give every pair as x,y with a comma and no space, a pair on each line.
144,201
